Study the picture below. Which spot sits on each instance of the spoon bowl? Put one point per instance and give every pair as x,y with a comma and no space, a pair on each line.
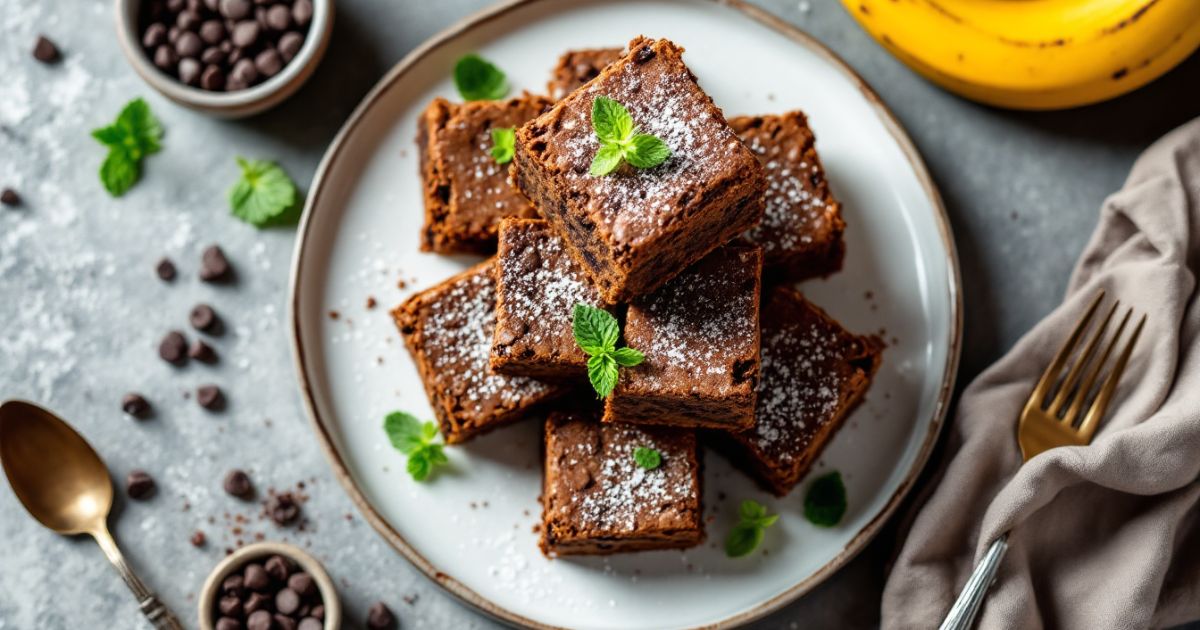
54,472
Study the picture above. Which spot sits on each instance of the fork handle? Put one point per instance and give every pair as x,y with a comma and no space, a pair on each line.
966,607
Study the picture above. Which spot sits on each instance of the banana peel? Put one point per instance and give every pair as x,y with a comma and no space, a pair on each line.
1035,54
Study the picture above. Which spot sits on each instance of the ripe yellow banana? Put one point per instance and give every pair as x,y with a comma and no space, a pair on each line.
1035,54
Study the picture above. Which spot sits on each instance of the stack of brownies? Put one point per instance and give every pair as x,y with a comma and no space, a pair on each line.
696,258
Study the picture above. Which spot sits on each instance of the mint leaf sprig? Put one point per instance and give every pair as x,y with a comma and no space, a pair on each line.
647,457
135,134
478,80
748,533
416,440
825,503
504,144
596,331
263,195
620,140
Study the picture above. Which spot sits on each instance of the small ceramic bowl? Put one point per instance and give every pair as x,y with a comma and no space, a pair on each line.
211,590
240,103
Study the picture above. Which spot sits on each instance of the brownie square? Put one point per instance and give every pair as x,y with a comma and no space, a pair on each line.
814,373
537,287
700,336
466,192
448,331
801,230
597,500
577,67
633,230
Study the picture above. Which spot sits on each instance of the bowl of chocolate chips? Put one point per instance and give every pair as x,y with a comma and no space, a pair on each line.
230,58
269,586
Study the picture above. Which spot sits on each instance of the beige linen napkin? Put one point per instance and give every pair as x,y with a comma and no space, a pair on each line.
1106,535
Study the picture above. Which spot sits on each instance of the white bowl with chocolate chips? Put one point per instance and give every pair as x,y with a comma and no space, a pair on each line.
229,58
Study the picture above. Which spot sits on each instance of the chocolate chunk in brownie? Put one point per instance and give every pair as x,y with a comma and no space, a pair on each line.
596,499
537,287
699,334
448,330
466,190
801,230
634,229
814,373
577,67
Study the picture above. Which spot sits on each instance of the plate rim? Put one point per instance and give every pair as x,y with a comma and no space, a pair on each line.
765,607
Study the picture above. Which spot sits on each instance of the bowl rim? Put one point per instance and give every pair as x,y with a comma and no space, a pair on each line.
319,31
312,566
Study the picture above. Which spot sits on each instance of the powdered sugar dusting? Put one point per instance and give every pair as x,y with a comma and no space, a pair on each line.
795,210
542,284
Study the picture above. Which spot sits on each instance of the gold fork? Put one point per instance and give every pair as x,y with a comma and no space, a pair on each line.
1047,422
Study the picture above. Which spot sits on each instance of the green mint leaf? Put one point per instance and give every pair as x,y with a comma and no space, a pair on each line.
647,457
429,431
646,151
752,511
611,121
419,466
479,80
602,372
112,136
405,432
141,125
743,539
504,142
263,194
436,455
825,502
606,160
595,329
119,172
628,357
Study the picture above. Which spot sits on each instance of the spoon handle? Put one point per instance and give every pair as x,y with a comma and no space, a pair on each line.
152,607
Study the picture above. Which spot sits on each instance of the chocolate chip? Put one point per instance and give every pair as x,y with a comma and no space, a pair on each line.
287,601
165,58
230,605
238,484
136,406
210,397
244,72
202,352
213,265
302,12
198,539
155,35
380,617
165,270
235,9
173,348
189,45
45,50
257,601
289,45
278,567
189,70
268,62
283,622
211,56
644,54
310,623
234,585
139,485
283,509
213,78
245,33
188,21
318,611
303,583
173,33
279,18
175,6
259,620
227,623
256,577
203,317
212,31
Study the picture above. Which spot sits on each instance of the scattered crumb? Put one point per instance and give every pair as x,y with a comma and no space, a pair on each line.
371,302
334,315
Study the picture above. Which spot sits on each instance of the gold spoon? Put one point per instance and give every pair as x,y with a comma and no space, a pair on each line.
62,482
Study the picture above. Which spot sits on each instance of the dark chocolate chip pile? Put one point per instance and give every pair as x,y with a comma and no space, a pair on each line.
267,596
224,45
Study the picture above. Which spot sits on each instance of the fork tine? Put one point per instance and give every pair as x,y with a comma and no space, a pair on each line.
1042,389
1110,386
1066,389
1094,372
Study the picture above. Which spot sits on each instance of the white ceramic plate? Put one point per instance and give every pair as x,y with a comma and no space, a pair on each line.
471,529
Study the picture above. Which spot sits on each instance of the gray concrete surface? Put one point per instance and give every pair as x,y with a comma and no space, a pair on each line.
81,311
